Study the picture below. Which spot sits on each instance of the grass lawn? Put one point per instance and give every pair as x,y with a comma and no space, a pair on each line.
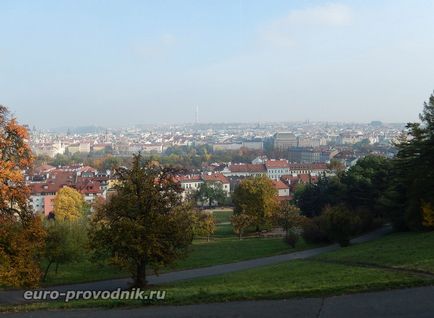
400,250
290,279
83,271
217,251
222,216
347,270
233,250
224,230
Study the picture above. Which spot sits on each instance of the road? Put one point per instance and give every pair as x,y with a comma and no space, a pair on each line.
403,303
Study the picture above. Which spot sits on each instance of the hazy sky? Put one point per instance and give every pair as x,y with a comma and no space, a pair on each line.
120,63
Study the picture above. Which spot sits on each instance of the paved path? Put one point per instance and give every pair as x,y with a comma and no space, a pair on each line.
403,303
16,297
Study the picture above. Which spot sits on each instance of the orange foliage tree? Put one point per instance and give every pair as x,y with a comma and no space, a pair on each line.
21,233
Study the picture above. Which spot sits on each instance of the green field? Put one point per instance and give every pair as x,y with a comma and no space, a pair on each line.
413,251
83,271
394,261
397,260
290,279
222,216
219,251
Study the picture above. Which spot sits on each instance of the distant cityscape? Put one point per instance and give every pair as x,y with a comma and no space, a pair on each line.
290,154
308,142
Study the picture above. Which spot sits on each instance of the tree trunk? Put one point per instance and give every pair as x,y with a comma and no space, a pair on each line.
46,271
140,279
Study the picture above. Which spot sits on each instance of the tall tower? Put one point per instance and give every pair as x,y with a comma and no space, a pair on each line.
197,115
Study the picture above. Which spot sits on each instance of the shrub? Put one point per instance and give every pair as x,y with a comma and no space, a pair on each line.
340,224
367,221
314,230
291,238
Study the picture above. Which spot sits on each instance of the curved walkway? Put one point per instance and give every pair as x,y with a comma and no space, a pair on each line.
16,296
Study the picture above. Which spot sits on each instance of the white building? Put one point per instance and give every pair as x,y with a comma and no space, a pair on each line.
277,168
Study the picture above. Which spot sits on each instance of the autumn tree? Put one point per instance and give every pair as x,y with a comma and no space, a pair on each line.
21,233
145,223
427,216
205,225
240,222
256,197
20,251
69,205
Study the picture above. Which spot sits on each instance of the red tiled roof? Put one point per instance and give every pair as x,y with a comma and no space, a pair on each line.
215,177
276,164
43,188
88,169
188,178
279,185
57,180
44,169
86,186
247,167
300,178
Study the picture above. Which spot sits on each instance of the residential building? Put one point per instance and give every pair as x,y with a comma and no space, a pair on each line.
277,168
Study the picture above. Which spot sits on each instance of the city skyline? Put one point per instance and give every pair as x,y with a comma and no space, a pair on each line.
117,65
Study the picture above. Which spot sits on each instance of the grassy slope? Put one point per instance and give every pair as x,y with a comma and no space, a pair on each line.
296,278
232,250
309,277
203,254
83,271
409,251
400,250
290,279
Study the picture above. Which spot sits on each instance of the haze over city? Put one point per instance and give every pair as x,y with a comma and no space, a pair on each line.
113,63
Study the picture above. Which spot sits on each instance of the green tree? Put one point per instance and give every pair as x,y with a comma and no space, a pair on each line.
413,172
60,160
65,243
258,198
210,194
145,223
312,198
111,163
289,218
340,224
366,182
